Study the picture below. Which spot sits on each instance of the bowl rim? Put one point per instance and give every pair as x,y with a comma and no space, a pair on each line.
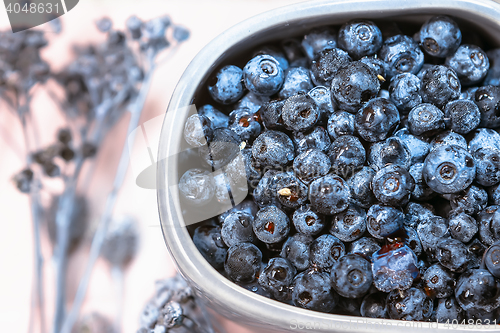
233,301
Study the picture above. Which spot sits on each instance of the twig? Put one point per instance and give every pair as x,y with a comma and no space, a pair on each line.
63,215
33,198
98,239
117,275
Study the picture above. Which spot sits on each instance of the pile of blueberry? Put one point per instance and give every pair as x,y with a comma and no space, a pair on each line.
372,161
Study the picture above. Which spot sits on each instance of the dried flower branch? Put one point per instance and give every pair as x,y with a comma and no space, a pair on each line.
100,86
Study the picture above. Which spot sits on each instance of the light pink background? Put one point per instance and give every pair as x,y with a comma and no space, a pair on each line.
205,19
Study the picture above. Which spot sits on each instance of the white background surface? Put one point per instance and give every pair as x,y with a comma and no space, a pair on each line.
206,19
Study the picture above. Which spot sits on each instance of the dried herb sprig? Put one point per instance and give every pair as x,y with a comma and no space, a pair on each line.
100,86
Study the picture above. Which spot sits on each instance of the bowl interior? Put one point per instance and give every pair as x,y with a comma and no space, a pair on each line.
235,47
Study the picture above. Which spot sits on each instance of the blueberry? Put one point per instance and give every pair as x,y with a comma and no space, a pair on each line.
440,36
297,79
351,276
382,221
198,130
277,277
325,251
410,304
487,166
292,49
241,173
491,259
354,85
208,240
347,155
270,113
477,289
244,123
349,306
487,99
217,118
221,150
300,112
471,200
263,75
243,262
255,287
365,246
448,138
449,310
237,228
425,119
470,63
463,227
329,194
476,251
404,91
265,192
296,249
273,149
360,38
317,138
421,191
360,185
271,225
402,55
484,138
340,123
431,231
392,151
290,191
489,224
307,221
275,53
494,194
374,306
326,64
323,99
318,40
247,206
197,187
439,85
393,185
252,101
223,187
311,164
415,213
376,64
226,87
312,290
462,116
452,254
412,240
482,316
493,76
394,267
377,120
449,169
350,224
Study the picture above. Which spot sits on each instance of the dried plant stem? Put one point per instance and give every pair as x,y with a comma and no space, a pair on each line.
34,204
118,280
65,208
99,236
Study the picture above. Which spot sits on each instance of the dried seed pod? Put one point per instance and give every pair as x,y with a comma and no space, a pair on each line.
121,242
79,221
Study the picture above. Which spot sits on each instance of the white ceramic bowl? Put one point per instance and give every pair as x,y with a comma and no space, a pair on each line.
218,293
